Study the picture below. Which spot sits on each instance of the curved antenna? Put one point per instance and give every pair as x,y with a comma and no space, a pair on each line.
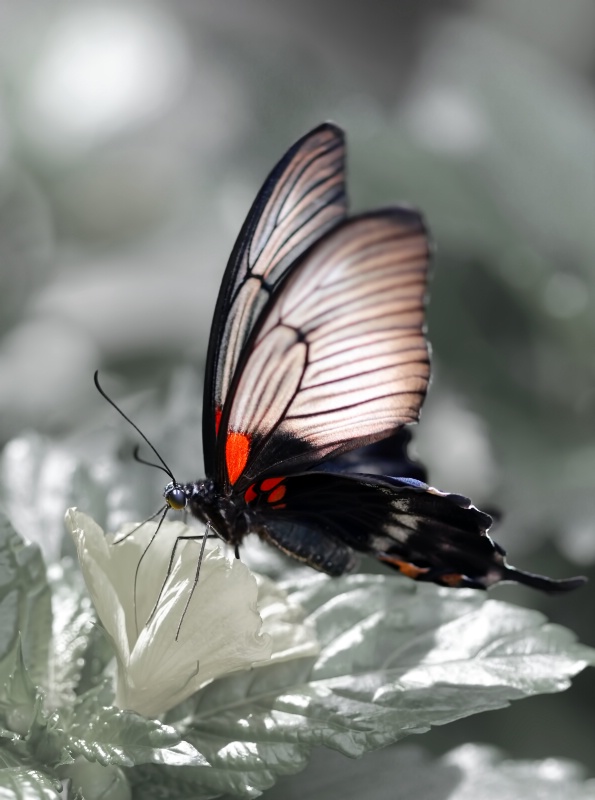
136,457
165,468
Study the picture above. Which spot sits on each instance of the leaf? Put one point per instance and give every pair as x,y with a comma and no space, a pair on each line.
93,781
19,780
396,659
39,479
80,650
466,773
21,783
19,702
25,605
112,736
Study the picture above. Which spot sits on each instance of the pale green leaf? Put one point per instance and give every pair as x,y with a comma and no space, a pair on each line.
396,658
79,649
20,783
20,780
25,605
19,700
112,736
39,480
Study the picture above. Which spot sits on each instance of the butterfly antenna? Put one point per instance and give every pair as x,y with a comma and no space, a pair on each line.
165,468
137,457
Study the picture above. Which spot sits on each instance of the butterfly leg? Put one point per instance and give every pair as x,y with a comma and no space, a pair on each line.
194,538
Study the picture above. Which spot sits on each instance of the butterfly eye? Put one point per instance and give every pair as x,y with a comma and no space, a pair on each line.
175,497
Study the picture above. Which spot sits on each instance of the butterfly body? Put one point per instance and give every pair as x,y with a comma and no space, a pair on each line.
317,360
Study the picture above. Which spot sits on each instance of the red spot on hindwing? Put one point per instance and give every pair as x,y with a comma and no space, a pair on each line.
277,494
237,448
270,483
250,495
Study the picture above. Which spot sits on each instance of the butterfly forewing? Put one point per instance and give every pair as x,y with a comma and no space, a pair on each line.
303,197
338,358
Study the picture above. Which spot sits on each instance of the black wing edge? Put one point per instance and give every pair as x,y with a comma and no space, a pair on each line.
224,297
481,548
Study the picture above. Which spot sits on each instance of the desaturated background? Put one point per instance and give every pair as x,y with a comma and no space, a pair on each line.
133,137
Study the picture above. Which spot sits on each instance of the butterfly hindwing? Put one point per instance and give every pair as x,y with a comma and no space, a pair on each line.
303,197
428,535
338,358
388,456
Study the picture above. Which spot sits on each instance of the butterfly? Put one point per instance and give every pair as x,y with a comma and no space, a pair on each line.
317,359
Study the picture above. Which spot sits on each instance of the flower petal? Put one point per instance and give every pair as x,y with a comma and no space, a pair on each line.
217,619
96,563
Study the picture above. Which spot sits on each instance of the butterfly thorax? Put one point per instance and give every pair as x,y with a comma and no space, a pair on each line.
208,505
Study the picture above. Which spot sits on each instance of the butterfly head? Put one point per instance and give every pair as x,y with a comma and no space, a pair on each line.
175,496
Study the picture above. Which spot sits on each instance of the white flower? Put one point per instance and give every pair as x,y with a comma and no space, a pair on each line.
221,631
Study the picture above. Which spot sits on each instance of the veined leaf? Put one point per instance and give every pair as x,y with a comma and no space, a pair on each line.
396,659
21,780
25,605
109,735
79,649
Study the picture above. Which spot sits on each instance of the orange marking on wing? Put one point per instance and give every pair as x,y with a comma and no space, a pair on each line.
405,567
277,494
218,414
453,579
237,448
280,505
250,495
270,483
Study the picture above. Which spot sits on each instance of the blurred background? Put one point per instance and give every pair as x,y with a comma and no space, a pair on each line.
133,137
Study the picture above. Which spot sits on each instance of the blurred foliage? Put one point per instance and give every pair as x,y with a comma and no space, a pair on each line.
132,140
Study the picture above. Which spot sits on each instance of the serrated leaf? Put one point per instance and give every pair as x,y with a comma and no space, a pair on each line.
20,780
39,479
466,773
19,702
19,783
76,638
112,736
20,689
25,604
396,659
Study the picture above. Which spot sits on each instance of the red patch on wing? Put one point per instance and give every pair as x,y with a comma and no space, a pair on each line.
237,448
270,483
277,494
250,495
218,413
